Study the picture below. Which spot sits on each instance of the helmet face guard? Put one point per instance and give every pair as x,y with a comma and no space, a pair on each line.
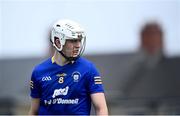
68,30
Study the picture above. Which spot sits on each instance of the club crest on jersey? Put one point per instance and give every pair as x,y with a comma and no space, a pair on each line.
76,75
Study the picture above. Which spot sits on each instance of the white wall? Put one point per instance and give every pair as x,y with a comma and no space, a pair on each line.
111,25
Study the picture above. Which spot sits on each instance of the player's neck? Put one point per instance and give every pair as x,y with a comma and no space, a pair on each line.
59,59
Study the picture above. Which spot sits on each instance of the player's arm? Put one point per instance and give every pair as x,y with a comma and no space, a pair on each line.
34,106
99,102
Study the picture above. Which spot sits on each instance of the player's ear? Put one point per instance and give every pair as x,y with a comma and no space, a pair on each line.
57,42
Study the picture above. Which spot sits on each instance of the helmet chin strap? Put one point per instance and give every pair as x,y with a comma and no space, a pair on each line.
70,59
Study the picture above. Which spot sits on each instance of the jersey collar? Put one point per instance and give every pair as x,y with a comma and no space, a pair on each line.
52,60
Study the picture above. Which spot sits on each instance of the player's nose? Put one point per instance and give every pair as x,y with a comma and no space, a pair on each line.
77,44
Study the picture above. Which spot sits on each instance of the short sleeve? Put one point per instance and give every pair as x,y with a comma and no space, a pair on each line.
34,86
94,81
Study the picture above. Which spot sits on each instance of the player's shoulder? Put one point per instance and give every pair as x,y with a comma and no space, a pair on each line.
85,62
43,65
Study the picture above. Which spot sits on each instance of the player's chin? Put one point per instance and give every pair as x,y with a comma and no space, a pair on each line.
75,55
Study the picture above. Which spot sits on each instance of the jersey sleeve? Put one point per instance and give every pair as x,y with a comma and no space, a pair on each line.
95,81
34,86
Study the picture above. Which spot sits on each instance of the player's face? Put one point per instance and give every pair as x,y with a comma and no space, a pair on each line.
152,41
72,48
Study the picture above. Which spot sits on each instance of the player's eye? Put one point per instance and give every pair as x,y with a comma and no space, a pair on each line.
75,40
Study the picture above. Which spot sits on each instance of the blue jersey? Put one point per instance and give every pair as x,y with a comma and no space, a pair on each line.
65,90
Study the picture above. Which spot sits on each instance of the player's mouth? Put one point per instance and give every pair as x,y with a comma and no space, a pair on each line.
75,52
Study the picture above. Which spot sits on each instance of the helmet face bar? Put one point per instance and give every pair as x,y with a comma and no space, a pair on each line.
67,30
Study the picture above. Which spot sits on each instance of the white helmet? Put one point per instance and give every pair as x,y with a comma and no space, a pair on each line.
67,30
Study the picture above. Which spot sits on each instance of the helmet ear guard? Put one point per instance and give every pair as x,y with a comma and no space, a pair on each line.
68,30
56,35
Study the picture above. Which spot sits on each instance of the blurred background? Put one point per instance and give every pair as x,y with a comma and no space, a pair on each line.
133,43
